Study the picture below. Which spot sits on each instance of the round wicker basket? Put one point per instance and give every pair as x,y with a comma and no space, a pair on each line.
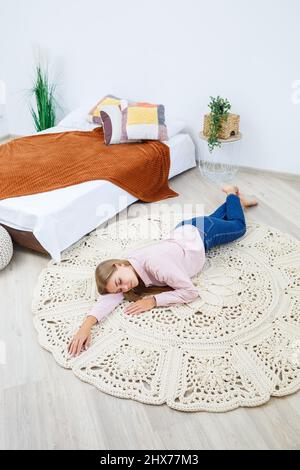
6,248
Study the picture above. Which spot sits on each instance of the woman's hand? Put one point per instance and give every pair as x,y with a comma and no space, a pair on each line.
142,305
82,339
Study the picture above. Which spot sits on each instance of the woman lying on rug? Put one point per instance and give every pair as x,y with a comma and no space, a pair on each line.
165,264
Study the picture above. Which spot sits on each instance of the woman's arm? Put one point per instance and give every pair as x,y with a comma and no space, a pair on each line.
82,338
104,305
176,296
173,275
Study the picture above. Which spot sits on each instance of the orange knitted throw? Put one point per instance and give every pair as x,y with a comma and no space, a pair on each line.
44,162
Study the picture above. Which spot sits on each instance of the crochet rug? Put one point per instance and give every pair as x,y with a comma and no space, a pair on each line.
237,344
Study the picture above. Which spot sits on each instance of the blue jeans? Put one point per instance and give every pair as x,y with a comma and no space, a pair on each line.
224,225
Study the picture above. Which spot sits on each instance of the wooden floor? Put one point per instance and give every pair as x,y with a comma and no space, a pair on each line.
43,406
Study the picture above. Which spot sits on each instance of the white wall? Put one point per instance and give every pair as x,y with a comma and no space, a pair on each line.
171,51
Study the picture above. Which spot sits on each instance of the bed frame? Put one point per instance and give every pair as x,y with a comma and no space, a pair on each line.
22,237
26,239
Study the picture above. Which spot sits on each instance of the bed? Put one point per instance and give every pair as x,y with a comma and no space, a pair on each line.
51,221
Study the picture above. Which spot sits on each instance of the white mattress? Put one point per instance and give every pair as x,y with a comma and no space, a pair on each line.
61,217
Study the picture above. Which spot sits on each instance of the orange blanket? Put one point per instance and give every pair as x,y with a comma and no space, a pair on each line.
40,163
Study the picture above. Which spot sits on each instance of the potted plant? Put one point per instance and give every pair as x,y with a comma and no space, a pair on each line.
44,113
219,124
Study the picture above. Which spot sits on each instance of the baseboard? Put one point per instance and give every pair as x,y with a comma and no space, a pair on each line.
287,175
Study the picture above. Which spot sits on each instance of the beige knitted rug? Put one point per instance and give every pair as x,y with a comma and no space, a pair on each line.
238,344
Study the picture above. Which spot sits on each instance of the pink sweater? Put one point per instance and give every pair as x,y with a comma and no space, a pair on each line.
172,262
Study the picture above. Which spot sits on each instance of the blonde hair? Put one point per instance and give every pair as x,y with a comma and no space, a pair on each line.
106,268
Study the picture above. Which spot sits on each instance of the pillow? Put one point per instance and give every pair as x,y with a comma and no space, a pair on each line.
174,127
108,112
144,121
111,118
94,113
78,119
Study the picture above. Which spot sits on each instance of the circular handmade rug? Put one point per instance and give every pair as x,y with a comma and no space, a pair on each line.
237,344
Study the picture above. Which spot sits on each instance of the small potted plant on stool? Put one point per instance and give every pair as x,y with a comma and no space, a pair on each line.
219,127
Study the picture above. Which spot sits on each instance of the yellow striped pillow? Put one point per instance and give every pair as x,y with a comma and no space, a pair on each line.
143,121
94,114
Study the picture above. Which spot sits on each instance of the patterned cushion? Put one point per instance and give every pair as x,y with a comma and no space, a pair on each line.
143,121
94,114
111,118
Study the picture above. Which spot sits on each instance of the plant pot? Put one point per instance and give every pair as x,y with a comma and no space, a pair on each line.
228,127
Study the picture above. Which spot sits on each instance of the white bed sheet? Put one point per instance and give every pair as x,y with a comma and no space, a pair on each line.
61,217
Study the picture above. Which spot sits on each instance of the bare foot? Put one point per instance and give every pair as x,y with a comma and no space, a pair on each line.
231,189
248,202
